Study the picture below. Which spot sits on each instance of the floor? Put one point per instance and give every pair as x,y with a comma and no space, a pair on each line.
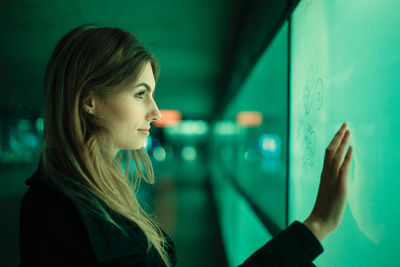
185,207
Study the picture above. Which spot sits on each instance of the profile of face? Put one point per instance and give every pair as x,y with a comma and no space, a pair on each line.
130,113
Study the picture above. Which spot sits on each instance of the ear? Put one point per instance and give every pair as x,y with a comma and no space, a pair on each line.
89,103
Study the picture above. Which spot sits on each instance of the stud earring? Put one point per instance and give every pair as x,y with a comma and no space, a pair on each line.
90,111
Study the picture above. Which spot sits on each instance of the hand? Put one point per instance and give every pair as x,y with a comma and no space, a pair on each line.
332,194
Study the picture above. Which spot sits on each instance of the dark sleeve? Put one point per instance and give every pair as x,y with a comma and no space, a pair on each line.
52,234
294,246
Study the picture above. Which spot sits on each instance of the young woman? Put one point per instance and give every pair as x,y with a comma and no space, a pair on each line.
81,208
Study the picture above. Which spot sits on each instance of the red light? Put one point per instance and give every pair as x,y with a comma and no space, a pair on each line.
169,117
249,118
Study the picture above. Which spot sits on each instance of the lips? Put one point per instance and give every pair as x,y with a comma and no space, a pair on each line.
144,131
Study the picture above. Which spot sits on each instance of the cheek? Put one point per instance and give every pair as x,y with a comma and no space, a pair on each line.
126,116
132,117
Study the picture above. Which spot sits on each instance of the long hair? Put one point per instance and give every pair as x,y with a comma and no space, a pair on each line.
75,157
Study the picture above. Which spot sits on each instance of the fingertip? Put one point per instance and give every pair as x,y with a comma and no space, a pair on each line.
350,151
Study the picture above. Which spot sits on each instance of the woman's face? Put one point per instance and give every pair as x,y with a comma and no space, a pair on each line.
131,113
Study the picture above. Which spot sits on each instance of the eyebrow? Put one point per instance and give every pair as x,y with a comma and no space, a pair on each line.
148,89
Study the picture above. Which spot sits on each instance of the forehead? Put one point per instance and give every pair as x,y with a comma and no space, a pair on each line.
146,76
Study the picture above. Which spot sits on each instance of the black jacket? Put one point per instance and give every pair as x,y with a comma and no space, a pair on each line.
56,232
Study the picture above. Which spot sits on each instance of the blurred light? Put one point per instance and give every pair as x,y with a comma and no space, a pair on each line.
169,117
159,153
189,127
15,145
269,166
155,143
249,118
270,145
250,154
147,142
189,153
170,151
194,127
39,124
24,125
225,128
30,140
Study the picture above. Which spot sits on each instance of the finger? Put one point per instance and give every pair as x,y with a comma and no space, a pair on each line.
337,159
337,138
344,170
331,149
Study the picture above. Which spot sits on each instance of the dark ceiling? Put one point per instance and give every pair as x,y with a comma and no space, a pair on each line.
195,41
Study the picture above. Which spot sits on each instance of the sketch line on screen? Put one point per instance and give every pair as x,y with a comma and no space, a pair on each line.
309,143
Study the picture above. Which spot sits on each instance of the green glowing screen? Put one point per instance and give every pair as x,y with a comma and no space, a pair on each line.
345,67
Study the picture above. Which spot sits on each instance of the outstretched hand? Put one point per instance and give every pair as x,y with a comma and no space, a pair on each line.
332,194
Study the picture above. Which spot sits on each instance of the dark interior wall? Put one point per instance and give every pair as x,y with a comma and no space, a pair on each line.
256,24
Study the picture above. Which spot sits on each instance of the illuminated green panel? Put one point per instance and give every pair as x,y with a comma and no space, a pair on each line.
262,176
345,68
242,231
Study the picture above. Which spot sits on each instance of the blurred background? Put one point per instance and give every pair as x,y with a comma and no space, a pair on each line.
251,93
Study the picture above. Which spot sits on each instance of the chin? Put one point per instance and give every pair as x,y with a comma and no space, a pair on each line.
137,146
133,146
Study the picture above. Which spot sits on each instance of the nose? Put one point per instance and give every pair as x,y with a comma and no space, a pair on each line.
154,114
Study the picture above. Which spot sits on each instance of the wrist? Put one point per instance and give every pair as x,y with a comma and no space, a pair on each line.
317,228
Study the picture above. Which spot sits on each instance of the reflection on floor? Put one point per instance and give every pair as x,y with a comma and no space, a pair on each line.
185,208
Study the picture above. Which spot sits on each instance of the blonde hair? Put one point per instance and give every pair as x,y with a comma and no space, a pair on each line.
75,159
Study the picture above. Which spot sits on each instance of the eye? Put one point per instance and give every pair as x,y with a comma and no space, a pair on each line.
140,94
